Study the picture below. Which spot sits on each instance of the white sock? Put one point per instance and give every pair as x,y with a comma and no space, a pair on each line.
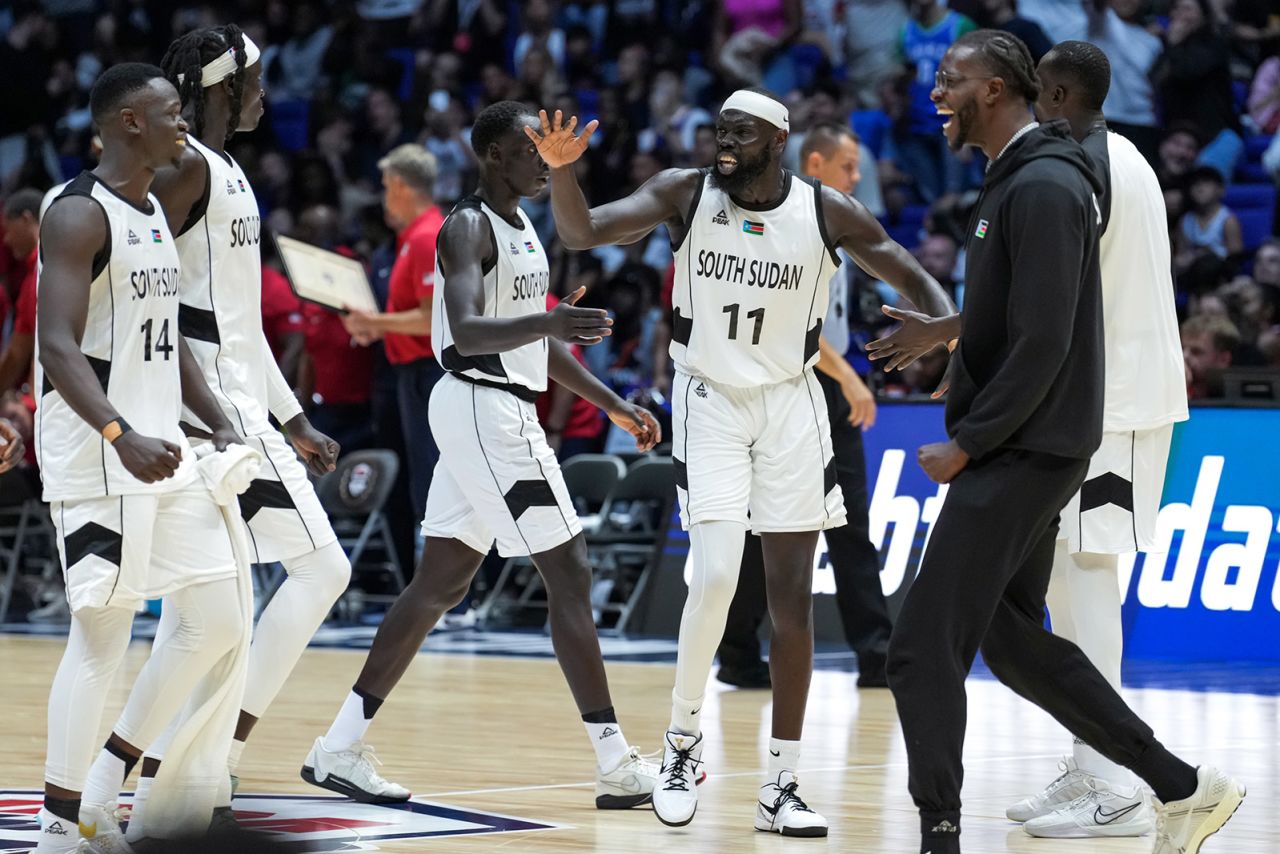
57,835
783,756
349,726
106,777
138,809
685,714
233,757
609,742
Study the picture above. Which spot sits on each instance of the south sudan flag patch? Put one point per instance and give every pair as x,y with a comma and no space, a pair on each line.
752,227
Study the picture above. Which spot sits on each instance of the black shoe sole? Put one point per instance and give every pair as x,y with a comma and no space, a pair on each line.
342,787
800,833
622,802
676,823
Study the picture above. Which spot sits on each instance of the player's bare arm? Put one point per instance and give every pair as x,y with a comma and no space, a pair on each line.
180,189
569,372
77,226
465,246
918,334
199,399
660,200
852,227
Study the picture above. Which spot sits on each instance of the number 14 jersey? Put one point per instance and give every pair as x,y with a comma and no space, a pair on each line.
131,342
751,285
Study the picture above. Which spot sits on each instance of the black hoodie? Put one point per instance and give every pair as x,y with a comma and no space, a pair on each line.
1028,372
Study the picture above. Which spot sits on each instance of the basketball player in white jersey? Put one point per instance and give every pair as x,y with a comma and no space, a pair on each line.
755,250
497,478
133,519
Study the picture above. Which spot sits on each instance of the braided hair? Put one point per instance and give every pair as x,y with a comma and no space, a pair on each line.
189,54
1007,57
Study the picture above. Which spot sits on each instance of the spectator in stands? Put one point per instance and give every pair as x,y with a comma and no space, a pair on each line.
750,39
923,153
21,234
1266,264
446,121
1117,27
408,180
26,66
873,30
540,31
1193,77
1209,233
293,70
939,254
1178,152
673,123
1264,96
1208,342
382,130
1003,15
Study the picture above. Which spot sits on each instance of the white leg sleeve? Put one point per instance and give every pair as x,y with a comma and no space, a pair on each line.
96,646
1084,608
209,625
717,558
315,582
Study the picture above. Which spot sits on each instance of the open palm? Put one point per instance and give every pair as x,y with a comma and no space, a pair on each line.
556,144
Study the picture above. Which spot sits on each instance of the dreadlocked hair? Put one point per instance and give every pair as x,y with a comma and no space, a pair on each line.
1007,57
189,54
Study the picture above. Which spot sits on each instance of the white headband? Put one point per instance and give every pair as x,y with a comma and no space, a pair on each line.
760,106
219,69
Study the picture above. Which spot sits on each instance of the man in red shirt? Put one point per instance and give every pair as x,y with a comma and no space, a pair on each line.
408,176
21,234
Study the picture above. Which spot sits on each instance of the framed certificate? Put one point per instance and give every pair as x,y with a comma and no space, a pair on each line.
325,278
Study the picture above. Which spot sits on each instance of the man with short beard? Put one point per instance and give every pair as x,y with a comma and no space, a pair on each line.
756,247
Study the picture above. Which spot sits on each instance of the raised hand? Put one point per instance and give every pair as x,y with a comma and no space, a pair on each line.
918,334
556,144
573,325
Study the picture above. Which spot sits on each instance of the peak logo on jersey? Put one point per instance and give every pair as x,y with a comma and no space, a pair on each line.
301,821
981,231
721,218
514,250
528,247
155,236
231,189
701,390
134,239
752,227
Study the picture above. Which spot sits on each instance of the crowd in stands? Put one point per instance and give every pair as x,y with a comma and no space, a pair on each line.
1196,85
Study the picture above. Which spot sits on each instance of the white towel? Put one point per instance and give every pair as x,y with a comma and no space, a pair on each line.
187,785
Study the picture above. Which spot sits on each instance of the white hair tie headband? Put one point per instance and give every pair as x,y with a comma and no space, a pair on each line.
760,106
219,69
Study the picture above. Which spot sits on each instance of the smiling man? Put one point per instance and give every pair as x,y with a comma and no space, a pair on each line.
1025,414
756,247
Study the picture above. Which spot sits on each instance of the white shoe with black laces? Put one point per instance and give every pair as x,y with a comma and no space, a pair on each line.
675,798
350,772
1102,811
1071,784
1183,826
780,810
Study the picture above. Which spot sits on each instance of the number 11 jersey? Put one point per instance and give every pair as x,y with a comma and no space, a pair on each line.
131,342
751,285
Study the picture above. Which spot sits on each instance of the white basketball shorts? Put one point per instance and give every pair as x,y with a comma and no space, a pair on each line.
1115,510
280,508
497,478
760,456
124,549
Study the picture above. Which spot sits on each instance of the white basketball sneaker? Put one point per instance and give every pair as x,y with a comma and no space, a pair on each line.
1102,811
1183,826
780,810
675,798
100,828
629,785
1071,784
351,773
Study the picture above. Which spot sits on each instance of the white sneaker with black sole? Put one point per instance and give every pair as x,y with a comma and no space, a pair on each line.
628,785
1183,826
779,809
1102,811
675,798
351,773
1071,784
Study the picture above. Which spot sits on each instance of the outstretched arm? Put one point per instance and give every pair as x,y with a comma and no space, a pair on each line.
852,227
659,200
465,247
570,373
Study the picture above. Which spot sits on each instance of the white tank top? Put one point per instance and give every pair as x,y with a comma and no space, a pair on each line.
131,341
221,294
751,286
515,286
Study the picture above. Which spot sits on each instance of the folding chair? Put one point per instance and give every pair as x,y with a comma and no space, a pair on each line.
355,495
22,516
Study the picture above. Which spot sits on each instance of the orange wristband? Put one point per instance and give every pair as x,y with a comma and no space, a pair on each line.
114,429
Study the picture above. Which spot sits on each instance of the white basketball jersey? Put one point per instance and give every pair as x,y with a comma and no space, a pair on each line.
515,286
751,286
221,293
131,342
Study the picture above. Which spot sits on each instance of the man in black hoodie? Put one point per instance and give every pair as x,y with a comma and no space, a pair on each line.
1024,414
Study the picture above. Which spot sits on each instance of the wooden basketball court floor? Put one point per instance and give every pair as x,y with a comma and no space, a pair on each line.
500,735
